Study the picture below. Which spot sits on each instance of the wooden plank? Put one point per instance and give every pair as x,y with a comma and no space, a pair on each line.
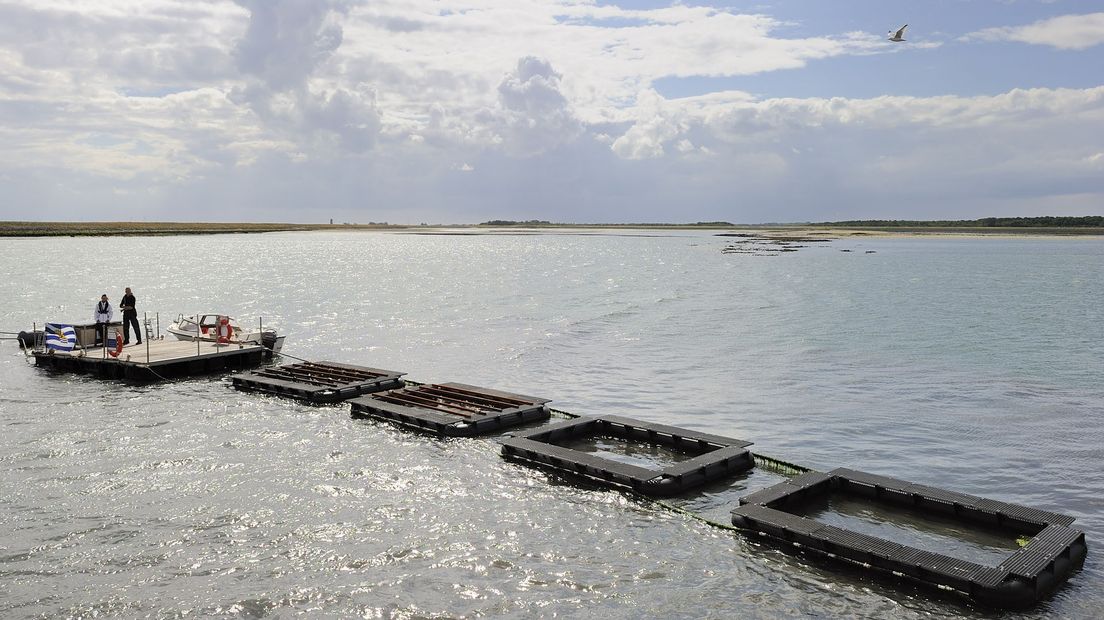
521,398
159,352
408,399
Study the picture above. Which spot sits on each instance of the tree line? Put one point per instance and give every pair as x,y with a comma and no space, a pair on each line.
1086,221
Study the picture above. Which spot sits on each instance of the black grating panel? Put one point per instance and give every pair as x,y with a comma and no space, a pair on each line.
1033,515
777,518
1041,550
714,458
770,494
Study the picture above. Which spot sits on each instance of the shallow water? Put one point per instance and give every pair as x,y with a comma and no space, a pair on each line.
935,533
970,364
630,451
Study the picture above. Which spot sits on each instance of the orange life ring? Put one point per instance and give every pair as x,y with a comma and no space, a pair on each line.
118,345
224,331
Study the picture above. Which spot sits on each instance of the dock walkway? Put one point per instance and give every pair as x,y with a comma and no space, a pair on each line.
1053,551
156,359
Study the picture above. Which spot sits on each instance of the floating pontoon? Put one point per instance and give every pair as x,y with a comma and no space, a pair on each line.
453,409
1052,553
319,382
154,359
714,456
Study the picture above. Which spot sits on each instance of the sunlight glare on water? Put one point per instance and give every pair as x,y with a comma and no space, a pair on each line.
969,364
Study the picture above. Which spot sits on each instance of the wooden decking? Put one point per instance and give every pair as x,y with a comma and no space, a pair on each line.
319,382
157,359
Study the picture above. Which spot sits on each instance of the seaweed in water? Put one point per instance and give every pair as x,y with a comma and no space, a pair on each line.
765,245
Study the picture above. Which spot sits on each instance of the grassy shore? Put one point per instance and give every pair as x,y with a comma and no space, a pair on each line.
85,229
94,229
943,231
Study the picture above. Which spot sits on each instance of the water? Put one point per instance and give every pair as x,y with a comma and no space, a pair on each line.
923,530
970,364
628,451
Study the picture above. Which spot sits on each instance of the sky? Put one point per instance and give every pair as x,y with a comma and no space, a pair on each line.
442,111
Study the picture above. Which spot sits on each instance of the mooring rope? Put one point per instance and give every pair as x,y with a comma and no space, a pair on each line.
779,466
693,515
281,353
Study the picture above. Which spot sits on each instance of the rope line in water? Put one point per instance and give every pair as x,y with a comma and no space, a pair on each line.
693,515
766,462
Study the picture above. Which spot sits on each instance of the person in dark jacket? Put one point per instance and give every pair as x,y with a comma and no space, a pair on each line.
130,317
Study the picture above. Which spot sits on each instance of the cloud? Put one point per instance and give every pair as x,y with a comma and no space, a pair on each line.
426,112
286,43
533,115
1067,32
739,119
656,124
287,40
605,54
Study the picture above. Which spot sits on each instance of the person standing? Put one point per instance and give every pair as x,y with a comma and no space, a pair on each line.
102,316
130,317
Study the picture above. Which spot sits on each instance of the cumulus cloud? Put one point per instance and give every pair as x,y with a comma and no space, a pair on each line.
534,116
657,123
1068,32
287,40
442,111
282,49
736,117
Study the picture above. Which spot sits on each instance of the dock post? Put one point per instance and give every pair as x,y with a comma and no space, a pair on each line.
145,321
198,327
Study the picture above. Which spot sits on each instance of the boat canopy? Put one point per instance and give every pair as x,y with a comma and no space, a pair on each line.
206,321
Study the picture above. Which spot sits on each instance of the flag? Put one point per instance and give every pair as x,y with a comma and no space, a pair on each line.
60,337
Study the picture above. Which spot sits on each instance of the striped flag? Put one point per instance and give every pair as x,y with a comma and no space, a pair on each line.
60,337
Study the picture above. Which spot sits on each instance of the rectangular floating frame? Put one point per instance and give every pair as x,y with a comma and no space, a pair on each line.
716,456
319,382
452,409
155,360
1026,575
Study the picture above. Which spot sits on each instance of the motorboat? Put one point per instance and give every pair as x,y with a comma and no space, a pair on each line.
206,327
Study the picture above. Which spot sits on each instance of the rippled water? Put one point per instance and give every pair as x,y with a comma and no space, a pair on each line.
971,364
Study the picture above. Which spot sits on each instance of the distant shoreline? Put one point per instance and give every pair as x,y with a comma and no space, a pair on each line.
128,229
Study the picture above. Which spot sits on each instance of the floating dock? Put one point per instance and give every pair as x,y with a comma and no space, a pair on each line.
319,382
452,409
715,456
1053,552
154,360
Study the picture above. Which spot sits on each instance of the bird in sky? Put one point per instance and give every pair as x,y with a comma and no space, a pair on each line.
899,35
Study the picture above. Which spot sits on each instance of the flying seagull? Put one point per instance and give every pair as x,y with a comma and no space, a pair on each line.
899,35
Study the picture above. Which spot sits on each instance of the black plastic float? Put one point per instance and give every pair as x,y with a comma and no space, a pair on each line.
319,382
452,409
1054,551
154,361
1025,576
715,456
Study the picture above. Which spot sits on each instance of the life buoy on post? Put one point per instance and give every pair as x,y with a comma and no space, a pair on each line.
118,344
224,331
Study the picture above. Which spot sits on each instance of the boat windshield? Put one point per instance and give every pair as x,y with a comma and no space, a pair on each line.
186,324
